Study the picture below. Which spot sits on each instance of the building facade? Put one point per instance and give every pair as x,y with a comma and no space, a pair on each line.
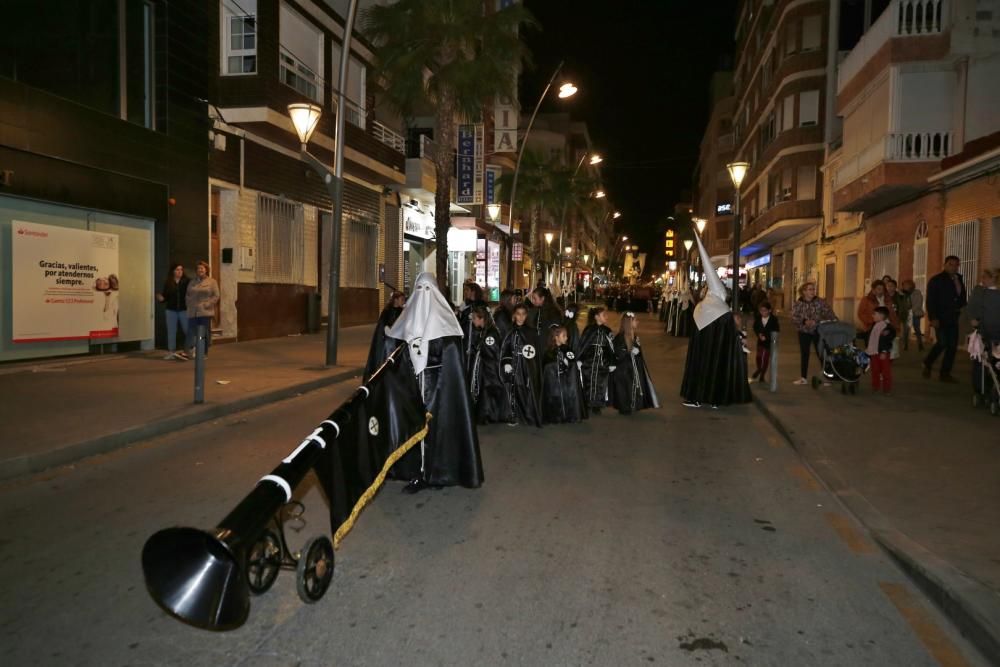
103,134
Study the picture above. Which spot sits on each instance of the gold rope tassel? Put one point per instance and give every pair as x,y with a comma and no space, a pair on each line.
367,496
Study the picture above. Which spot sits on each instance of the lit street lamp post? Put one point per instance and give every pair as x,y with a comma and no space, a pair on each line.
305,117
565,90
737,170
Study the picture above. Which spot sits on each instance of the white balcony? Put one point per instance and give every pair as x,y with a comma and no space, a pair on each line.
391,139
930,146
902,18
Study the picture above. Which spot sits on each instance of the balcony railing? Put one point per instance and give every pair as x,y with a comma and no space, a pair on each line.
896,147
388,137
354,114
423,146
902,18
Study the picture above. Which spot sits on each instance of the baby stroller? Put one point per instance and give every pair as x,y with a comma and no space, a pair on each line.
842,361
985,367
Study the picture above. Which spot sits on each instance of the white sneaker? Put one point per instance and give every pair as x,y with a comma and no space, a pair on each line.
691,404
169,356
801,381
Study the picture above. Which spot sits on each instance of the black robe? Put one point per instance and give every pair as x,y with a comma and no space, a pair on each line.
597,356
486,388
544,321
465,322
521,352
715,371
377,350
449,455
573,333
562,389
502,318
631,387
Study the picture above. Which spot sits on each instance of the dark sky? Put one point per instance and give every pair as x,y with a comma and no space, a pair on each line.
643,68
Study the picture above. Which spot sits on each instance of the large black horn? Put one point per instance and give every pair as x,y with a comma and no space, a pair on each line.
199,576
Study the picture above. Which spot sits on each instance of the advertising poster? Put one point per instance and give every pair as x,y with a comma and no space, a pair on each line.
65,283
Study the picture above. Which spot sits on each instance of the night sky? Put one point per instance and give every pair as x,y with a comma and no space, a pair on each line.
643,68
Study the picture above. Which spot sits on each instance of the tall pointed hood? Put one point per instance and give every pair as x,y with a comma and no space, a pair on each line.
713,306
425,317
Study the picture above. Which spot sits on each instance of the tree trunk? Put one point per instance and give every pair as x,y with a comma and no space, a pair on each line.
444,166
532,243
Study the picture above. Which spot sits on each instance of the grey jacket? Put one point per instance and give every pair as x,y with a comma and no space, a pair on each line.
202,297
917,303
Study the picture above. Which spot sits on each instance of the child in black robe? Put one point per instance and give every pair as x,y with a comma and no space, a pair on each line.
486,389
562,390
764,324
519,368
631,387
572,329
597,359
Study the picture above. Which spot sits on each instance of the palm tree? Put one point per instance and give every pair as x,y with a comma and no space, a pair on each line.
454,57
535,192
571,193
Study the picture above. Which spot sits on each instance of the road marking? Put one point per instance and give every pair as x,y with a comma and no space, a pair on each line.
799,472
849,534
930,635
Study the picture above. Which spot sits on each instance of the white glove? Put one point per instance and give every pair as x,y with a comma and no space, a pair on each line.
579,364
611,369
635,352
508,369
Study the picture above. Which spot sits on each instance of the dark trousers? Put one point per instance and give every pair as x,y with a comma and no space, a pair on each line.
947,342
807,341
763,358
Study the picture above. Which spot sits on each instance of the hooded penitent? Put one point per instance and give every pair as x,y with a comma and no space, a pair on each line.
713,306
426,317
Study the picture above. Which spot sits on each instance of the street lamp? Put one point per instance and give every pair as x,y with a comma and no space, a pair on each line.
599,194
596,159
737,170
494,211
616,215
687,245
699,224
565,90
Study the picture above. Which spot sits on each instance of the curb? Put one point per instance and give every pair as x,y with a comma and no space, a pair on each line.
971,607
33,463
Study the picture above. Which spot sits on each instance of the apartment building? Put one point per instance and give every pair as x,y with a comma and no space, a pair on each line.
780,81
911,178
269,218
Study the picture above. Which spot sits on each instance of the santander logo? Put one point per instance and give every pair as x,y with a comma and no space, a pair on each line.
28,232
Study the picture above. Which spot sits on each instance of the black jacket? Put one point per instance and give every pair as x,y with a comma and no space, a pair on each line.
760,328
175,293
884,340
944,303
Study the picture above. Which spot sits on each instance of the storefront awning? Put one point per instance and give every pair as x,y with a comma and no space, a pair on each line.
776,233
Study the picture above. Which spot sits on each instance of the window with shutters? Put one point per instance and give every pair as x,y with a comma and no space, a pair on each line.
805,182
280,241
808,108
786,185
790,37
811,28
239,37
301,54
788,113
355,88
361,261
885,261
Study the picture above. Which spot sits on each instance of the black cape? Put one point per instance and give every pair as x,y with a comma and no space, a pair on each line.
465,322
597,356
449,455
486,388
376,352
573,332
631,387
521,352
502,318
716,368
562,389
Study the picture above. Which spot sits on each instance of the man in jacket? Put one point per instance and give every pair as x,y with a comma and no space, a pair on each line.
875,298
945,300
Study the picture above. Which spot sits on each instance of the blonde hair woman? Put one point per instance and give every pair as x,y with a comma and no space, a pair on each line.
809,310
202,301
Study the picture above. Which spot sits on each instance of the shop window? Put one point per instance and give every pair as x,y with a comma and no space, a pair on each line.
301,54
280,241
239,39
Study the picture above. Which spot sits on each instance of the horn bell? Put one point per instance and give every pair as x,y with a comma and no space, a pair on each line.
196,577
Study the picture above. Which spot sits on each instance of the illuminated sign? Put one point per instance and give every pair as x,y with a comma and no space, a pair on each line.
760,261
723,209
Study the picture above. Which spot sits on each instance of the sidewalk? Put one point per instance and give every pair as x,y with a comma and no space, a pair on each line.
58,411
920,468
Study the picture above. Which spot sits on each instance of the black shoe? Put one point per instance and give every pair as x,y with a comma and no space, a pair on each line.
415,486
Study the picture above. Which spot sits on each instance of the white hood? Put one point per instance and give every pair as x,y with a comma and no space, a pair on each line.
713,306
425,317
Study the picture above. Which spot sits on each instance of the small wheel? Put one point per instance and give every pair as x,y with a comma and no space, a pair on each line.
315,569
263,562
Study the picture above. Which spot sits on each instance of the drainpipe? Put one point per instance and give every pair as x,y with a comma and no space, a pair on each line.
832,45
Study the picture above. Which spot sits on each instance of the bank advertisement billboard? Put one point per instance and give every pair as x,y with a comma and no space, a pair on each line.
65,283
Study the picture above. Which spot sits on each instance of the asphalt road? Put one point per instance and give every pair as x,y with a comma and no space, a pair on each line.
673,537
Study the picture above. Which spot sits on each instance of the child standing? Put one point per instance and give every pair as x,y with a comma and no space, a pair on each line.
597,359
879,349
562,391
519,364
631,387
489,398
764,323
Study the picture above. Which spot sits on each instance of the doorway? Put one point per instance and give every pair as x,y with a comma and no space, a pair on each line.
215,252
828,278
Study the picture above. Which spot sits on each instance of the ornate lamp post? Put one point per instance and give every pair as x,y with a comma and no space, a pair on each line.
737,170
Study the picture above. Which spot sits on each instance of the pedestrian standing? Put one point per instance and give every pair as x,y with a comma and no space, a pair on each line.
945,299
174,300
901,305
596,359
202,301
764,324
880,337
562,390
876,298
519,368
916,301
809,310
486,389
631,386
